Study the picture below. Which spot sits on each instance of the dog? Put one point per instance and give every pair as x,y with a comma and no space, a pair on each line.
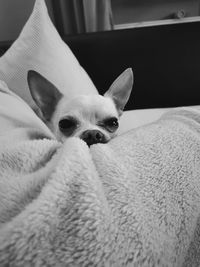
92,118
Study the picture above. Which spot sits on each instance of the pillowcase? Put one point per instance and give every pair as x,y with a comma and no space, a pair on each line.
135,118
17,114
39,47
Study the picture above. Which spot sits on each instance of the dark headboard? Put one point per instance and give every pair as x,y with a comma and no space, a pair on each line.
165,60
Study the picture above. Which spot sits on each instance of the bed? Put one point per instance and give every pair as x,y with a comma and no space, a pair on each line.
132,202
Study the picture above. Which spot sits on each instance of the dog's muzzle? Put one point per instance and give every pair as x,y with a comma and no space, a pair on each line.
93,137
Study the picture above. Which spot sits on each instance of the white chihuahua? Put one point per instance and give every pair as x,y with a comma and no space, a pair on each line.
93,118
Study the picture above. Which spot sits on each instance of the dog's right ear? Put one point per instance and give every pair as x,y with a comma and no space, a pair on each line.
44,93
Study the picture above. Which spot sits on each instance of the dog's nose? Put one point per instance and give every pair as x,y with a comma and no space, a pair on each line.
93,137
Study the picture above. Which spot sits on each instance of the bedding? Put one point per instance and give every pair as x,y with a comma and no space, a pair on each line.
135,118
132,202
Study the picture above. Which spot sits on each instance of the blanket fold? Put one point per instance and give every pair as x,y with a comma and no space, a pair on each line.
132,202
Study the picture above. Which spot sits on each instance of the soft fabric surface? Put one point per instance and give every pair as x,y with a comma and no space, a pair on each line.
132,202
39,47
132,119
135,118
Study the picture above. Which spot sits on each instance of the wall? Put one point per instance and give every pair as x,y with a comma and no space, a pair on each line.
13,15
127,11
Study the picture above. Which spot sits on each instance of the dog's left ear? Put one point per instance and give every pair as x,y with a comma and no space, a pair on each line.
120,89
44,93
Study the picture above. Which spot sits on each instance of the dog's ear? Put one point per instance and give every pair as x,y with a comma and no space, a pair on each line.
120,89
44,93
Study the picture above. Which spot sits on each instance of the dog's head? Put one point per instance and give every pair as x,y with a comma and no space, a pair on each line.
93,118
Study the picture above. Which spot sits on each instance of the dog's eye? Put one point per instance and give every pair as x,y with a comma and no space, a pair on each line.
67,125
111,124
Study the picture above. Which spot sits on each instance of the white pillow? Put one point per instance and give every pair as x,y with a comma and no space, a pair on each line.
39,47
16,113
135,118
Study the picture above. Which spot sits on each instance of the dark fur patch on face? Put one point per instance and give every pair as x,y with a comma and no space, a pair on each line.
68,125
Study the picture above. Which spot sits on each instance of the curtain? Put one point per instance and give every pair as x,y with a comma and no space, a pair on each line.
80,16
98,15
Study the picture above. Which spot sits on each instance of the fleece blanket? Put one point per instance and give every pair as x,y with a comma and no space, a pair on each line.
132,202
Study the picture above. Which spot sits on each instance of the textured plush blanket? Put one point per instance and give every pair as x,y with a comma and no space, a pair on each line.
132,202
